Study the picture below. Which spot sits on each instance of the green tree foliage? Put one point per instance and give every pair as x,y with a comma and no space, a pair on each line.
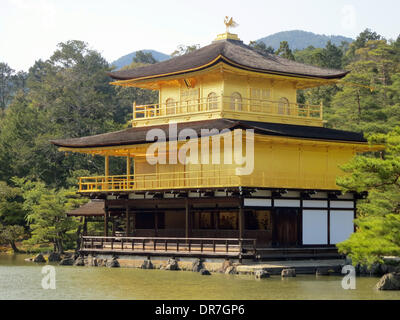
47,214
368,100
143,57
261,47
183,49
284,51
11,205
127,95
68,96
362,40
10,83
378,222
11,234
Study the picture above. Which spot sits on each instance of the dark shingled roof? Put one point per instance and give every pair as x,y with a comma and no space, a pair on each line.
92,208
243,56
135,135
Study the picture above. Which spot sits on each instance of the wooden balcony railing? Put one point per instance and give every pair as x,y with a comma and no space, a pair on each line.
184,246
228,104
200,179
154,181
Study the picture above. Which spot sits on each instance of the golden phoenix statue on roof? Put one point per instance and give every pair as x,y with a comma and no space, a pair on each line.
230,23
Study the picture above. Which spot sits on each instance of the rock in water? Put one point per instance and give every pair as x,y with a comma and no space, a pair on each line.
67,261
101,262
261,274
230,270
225,265
39,258
79,262
54,257
197,265
113,263
205,272
288,273
390,281
91,261
172,265
147,264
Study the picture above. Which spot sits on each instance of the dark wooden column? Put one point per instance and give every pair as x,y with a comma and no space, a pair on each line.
113,225
241,218
156,223
106,222
127,221
133,223
84,226
188,220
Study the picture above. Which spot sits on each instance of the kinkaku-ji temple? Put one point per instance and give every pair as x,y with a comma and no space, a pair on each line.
289,202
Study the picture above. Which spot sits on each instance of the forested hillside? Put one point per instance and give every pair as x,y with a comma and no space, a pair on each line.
299,39
69,95
127,59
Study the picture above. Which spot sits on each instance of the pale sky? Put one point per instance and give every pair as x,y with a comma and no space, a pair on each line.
31,29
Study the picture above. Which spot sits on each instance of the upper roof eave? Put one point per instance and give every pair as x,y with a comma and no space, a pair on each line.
231,52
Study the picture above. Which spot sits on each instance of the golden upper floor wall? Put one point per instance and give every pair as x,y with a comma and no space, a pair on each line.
225,93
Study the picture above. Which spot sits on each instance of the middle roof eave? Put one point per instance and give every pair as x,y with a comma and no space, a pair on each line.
132,136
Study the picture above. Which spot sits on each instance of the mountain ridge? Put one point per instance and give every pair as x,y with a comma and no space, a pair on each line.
128,58
297,39
300,39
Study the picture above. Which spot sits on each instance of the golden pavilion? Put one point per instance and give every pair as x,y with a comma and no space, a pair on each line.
289,198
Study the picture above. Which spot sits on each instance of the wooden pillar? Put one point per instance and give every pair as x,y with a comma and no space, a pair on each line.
156,223
106,166
106,171
241,219
106,223
216,220
113,226
188,220
127,221
84,226
128,170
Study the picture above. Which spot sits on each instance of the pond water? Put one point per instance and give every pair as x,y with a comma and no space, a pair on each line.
22,280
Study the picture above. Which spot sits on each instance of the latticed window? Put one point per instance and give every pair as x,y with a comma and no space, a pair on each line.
190,99
236,101
171,106
212,101
283,106
260,100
